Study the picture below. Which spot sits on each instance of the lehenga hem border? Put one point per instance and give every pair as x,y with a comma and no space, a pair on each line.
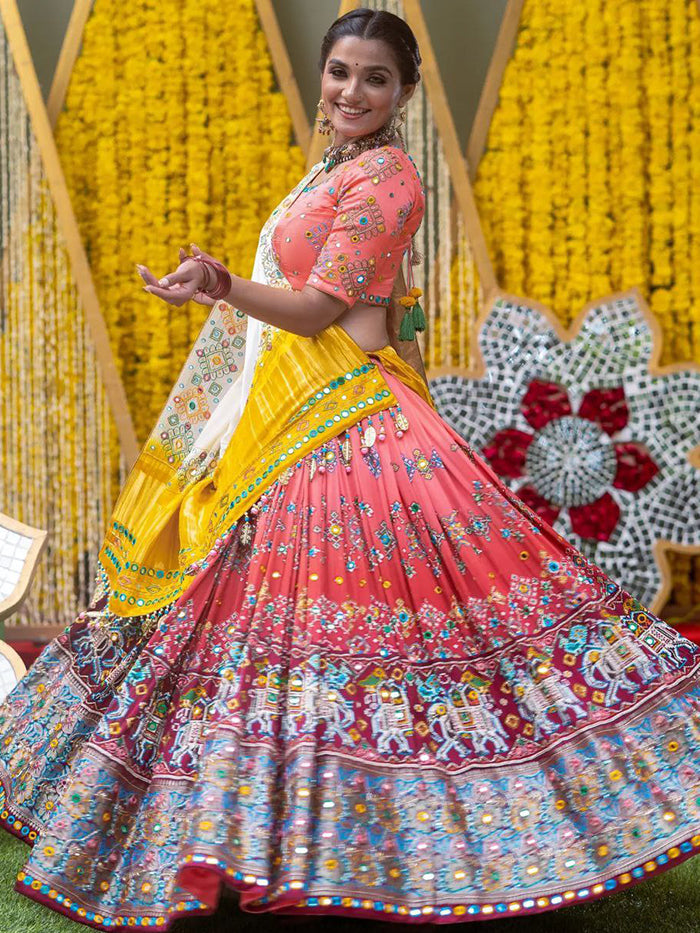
338,904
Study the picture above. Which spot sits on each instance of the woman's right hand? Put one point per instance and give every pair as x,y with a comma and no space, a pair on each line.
200,297
183,287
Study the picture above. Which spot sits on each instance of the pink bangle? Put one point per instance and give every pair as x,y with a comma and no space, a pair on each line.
223,283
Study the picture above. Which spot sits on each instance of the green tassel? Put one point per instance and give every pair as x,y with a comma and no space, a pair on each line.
418,317
407,331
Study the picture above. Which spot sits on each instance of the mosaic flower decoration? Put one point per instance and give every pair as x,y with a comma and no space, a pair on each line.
569,461
589,431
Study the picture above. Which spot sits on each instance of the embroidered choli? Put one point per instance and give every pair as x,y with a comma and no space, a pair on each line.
347,235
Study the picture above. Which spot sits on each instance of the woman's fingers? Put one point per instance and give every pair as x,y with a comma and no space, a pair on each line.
177,288
196,251
182,285
187,273
146,274
173,296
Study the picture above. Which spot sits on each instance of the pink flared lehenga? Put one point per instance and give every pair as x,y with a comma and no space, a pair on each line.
392,691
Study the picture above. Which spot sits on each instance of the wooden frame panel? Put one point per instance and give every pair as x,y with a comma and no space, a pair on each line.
488,99
283,70
38,538
66,60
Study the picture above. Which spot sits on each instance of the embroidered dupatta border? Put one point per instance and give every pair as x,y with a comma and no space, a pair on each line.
207,511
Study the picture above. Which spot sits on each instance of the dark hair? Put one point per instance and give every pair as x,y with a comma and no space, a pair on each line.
377,24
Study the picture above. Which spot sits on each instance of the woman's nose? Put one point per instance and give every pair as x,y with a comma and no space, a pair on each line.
353,90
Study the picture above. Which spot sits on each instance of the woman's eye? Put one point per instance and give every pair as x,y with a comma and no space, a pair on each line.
374,79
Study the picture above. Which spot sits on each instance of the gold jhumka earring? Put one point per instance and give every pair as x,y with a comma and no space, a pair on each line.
324,125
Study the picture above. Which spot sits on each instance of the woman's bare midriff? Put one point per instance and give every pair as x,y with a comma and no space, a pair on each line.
366,324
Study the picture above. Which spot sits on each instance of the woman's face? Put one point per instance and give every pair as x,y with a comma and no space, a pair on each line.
361,87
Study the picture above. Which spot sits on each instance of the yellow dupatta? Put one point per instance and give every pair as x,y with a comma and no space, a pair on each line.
199,471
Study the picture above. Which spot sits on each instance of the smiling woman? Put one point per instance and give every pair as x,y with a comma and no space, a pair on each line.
332,660
358,93
362,87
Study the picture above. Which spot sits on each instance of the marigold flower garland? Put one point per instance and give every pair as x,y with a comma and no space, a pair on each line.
590,182
169,138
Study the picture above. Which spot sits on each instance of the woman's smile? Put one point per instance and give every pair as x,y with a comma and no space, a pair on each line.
351,113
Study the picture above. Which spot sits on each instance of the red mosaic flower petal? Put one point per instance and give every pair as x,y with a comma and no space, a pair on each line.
507,450
596,520
607,407
634,467
539,504
543,402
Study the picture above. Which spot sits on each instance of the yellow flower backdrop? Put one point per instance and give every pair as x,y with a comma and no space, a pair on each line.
590,182
173,131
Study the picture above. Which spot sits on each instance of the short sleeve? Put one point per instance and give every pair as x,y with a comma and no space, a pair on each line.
379,208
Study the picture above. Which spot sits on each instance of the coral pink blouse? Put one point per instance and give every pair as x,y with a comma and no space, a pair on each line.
347,234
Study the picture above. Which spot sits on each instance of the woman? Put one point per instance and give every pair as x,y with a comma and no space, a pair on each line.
332,662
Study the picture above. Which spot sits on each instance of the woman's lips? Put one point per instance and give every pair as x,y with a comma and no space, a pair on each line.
351,116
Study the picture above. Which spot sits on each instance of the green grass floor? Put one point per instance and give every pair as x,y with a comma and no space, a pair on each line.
669,903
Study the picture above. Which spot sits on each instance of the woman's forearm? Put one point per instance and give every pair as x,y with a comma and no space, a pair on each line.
305,312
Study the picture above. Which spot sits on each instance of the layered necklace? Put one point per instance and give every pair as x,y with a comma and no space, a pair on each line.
334,155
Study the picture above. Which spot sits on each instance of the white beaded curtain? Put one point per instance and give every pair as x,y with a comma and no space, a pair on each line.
59,464
447,274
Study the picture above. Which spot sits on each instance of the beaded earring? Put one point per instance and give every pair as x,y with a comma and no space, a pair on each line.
324,125
414,316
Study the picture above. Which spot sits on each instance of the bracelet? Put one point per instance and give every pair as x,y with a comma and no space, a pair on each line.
222,285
